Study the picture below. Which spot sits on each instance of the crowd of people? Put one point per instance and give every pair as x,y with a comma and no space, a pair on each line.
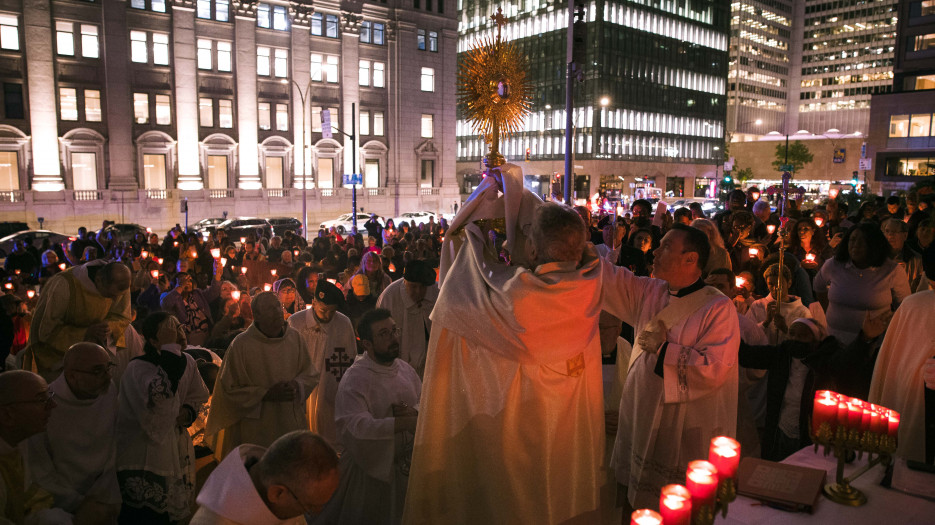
395,376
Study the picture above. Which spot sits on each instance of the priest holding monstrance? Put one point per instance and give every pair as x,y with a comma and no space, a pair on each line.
511,420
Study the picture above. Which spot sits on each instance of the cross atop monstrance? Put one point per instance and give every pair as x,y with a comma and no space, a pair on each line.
493,90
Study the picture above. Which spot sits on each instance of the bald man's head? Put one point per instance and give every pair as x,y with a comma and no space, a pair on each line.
297,474
88,370
25,405
113,279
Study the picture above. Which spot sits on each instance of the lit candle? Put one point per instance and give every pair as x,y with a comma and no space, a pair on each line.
243,270
235,295
155,274
754,252
810,257
308,307
892,427
645,517
267,287
295,252
194,254
771,228
855,412
215,252
842,413
273,271
8,286
176,243
865,419
755,195
223,262
16,271
825,409
159,260
724,454
833,193
877,423
243,240
30,293
144,254
675,505
819,221
61,266
392,267
701,481
739,282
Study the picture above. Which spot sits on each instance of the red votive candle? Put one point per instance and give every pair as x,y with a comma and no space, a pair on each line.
842,413
877,422
675,505
892,427
701,481
865,419
724,454
825,409
645,517
854,412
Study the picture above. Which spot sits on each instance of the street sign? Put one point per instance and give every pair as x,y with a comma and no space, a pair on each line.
863,150
786,167
326,124
350,179
864,165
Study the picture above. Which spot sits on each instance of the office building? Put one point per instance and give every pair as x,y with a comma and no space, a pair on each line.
120,109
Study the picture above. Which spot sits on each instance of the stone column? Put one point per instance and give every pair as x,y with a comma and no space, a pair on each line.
301,74
186,95
40,74
119,109
350,88
245,48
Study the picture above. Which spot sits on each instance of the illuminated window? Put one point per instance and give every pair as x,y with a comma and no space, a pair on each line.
141,108
68,101
379,75
420,40
324,67
325,172
928,7
281,65
428,79
225,114
280,18
427,178
433,41
925,81
272,16
9,32
364,128
158,6
161,49
263,116
163,110
379,32
224,56
206,112
330,69
214,9
262,61
316,28
365,33
372,33
282,117
138,48
331,26
924,42
363,75
92,105
89,42
378,123
920,125
65,38
204,54
262,15
899,126
428,127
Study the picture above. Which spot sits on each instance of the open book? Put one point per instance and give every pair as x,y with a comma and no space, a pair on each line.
785,486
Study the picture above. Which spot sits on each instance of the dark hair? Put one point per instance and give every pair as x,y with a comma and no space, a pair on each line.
696,241
892,199
644,203
682,211
365,326
877,246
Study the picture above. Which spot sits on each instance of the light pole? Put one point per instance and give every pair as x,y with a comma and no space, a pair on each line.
353,137
304,95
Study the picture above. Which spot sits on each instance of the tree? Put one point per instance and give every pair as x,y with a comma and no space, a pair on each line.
798,156
743,175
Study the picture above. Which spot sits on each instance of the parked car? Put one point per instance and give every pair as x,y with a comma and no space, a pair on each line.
283,224
244,226
343,223
415,217
207,226
11,227
122,231
37,236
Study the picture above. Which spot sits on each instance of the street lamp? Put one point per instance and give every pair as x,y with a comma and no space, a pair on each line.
303,95
353,136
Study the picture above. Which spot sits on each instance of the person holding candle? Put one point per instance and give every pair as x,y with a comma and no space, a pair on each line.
809,246
192,306
904,377
778,309
683,384
897,232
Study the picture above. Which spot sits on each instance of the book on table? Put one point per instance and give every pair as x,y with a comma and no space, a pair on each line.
788,487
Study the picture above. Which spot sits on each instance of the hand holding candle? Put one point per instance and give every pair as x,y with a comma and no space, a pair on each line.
770,229
215,252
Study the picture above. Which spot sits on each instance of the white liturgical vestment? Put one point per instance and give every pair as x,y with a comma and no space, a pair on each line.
412,319
512,422
332,348
667,421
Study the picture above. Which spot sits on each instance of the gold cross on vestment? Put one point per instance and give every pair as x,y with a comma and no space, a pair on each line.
500,20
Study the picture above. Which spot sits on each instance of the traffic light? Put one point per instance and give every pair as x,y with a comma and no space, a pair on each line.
728,179
528,154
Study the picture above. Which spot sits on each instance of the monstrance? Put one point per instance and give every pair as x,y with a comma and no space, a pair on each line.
494,90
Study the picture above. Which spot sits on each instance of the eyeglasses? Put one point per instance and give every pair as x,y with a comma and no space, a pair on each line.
101,371
387,332
47,400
